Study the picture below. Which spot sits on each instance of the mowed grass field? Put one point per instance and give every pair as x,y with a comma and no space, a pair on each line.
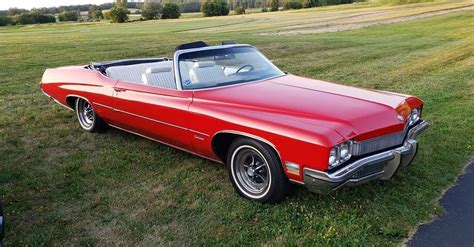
62,186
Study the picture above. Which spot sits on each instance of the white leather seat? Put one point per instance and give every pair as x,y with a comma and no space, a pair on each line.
206,71
133,73
161,76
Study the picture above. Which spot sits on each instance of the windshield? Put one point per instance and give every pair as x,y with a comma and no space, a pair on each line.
226,66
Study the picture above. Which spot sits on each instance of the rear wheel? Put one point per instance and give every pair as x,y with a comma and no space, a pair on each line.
256,172
87,117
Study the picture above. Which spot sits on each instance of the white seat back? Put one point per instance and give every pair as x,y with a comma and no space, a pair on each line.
132,73
206,71
161,76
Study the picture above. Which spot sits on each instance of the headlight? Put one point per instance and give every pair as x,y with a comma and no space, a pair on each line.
340,153
414,116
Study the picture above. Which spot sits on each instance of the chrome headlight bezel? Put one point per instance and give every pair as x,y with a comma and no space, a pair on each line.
340,154
414,116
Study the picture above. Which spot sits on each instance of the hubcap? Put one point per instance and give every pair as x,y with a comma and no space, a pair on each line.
252,171
86,114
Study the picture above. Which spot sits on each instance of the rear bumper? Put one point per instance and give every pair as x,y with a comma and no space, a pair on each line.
378,166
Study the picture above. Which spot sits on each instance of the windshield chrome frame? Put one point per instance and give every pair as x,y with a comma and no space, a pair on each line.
177,74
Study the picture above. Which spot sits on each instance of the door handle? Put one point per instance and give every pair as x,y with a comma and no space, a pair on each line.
119,89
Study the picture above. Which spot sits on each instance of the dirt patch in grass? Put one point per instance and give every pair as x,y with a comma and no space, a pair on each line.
361,22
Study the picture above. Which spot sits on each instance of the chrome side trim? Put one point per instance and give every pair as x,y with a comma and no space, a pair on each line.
200,133
151,119
105,106
165,143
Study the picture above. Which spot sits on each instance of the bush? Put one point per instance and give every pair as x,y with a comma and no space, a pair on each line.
35,18
170,11
118,14
215,8
150,10
5,20
239,11
293,5
310,3
98,15
107,15
264,9
274,5
68,16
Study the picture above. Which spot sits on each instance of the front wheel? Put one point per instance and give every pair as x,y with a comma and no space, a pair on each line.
256,172
87,117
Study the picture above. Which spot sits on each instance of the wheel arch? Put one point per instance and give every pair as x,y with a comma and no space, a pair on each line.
222,140
71,101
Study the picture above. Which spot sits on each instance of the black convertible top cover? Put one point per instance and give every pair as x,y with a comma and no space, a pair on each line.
102,66
192,45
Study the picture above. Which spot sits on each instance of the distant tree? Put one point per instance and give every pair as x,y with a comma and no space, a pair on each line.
107,15
121,3
16,11
93,12
239,11
5,20
274,5
106,6
98,15
118,14
34,18
151,10
293,5
170,11
68,16
215,8
192,6
44,11
310,3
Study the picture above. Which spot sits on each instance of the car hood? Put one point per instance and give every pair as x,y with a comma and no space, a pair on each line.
302,102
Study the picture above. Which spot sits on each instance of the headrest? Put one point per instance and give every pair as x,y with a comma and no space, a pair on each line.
204,64
153,70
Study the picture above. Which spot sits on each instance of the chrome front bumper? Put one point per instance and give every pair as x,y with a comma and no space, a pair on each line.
378,166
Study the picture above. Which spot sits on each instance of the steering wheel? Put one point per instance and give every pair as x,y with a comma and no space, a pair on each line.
245,66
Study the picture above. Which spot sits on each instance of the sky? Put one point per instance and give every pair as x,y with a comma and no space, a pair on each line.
28,4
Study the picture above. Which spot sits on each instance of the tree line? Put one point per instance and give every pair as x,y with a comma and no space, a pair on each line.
152,9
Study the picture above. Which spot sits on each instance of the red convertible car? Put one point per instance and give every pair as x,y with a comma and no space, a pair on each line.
230,104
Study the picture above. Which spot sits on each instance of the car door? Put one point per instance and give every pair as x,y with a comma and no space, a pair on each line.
155,112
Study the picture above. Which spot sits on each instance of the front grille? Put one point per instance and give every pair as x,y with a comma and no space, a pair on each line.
378,143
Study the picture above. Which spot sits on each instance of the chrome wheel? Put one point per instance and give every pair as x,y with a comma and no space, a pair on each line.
85,114
251,172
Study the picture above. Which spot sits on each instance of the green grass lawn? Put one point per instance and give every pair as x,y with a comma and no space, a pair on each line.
62,186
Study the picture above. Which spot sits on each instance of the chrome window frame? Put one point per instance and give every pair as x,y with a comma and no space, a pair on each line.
177,74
